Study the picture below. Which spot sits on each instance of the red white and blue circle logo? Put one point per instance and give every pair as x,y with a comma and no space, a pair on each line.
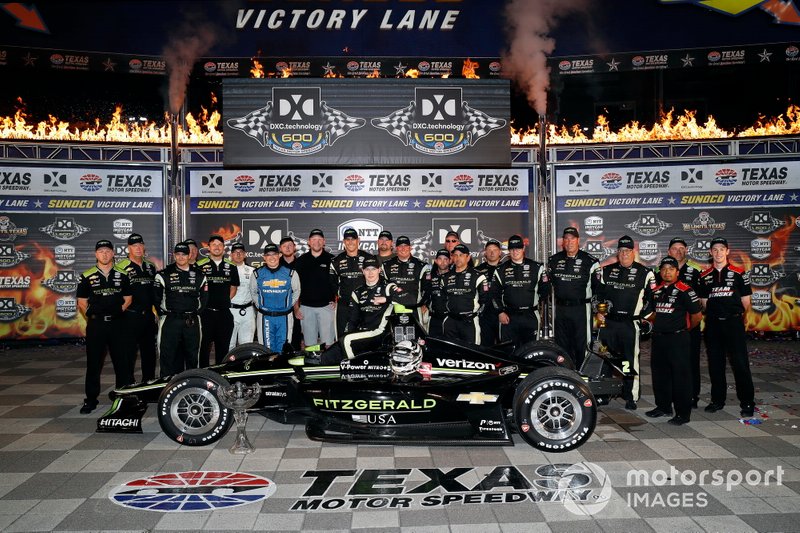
611,180
244,183
714,56
463,182
725,177
91,182
424,66
354,183
184,492
352,65
210,66
57,59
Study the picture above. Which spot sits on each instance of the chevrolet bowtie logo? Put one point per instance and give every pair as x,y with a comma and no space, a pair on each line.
478,398
274,283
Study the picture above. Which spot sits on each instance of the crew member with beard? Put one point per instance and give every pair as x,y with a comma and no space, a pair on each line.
223,279
345,275
465,291
410,274
489,317
438,304
317,297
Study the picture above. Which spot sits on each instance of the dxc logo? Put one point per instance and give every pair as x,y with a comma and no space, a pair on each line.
299,104
440,105
579,179
322,180
55,179
466,228
691,175
260,232
431,180
212,181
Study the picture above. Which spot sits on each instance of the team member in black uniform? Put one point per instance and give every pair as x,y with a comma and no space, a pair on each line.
627,286
488,318
438,304
317,296
573,275
516,287
370,307
346,275
181,293
104,293
411,275
725,294
223,278
385,247
194,251
465,291
451,240
677,311
690,275
140,322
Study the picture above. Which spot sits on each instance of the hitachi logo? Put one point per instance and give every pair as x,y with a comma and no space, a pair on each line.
119,422
461,363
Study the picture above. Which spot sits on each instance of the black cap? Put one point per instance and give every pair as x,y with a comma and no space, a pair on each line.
271,249
719,240
670,261
237,246
453,234
625,242
216,238
385,234
371,261
493,242
443,252
571,231
401,240
103,243
181,248
350,233
677,240
190,242
135,238
515,242
461,248
285,239
316,232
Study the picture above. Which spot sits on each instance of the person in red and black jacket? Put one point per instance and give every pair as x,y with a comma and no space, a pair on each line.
677,312
724,291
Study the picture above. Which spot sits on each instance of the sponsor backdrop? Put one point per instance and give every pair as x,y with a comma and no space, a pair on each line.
397,122
50,219
259,207
753,204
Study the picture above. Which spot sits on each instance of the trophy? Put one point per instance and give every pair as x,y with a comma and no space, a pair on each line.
239,397
602,309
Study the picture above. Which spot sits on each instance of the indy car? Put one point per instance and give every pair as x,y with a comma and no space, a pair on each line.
415,389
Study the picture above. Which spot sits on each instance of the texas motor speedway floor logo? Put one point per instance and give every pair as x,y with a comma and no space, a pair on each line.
296,122
438,122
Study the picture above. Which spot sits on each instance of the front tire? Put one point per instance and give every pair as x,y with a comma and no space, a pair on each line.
554,410
189,410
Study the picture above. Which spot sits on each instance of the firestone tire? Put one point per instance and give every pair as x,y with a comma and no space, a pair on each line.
189,410
554,410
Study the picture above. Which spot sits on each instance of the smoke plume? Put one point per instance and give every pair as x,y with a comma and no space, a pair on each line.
188,43
528,23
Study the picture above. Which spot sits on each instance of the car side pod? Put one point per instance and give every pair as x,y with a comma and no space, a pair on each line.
124,416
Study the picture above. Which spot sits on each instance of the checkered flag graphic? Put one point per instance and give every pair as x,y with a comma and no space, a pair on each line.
479,124
338,124
254,124
397,123
420,246
483,239
301,244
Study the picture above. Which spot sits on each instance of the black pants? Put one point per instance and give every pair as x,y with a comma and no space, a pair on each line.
142,330
342,317
462,329
490,327
104,335
727,338
670,363
353,344
435,326
178,343
622,338
572,330
695,337
522,327
217,329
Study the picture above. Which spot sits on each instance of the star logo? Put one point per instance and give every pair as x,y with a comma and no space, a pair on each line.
764,56
28,60
793,197
303,204
400,69
37,204
613,65
417,203
108,65
477,398
329,69
688,61
671,200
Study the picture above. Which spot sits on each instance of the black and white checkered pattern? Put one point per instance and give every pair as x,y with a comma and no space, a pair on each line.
338,124
479,124
254,124
420,247
397,123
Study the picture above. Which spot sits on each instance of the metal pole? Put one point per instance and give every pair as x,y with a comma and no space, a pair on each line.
543,218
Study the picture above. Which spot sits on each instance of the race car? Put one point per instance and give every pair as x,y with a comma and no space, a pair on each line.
415,390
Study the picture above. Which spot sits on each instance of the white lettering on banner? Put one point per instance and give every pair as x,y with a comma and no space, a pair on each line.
337,19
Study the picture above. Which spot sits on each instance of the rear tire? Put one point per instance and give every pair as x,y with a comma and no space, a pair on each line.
246,351
554,410
189,410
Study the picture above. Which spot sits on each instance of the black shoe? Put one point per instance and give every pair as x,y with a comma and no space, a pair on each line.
630,405
655,413
714,407
694,402
748,411
88,407
678,420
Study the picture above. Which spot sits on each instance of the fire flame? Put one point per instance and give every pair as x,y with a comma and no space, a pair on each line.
468,70
257,70
412,73
287,72
375,74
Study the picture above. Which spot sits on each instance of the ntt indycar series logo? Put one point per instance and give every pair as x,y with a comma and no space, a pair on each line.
438,122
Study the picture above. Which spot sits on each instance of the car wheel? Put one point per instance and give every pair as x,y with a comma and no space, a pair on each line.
554,410
246,351
543,352
189,409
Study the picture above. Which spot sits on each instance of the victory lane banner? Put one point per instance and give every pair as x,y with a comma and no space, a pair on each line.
343,122
51,219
